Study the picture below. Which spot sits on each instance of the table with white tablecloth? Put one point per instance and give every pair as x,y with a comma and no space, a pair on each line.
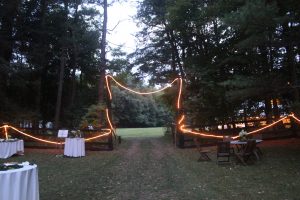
9,148
74,147
20,184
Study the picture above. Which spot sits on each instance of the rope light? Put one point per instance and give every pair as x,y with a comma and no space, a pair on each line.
107,86
5,130
179,93
136,92
36,138
268,126
53,142
99,136
2,126
184,130
181,119
198,133
297,119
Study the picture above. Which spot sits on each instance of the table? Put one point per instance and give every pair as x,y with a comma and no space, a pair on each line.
9,148
20,184
240,145
74,147
238,142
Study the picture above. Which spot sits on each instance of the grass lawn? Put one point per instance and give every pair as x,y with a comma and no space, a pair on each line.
141,132
149,168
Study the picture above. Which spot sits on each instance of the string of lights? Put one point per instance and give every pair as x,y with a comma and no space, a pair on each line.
108,131
297,119
180,123
5,130
136,92
181,119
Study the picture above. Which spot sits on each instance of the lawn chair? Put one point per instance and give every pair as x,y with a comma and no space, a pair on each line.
244,156
203,152
223,151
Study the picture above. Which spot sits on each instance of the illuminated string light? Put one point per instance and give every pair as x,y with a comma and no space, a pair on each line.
140,93
198,133
108,87
268,126
181,119
180,91
99,136
184,130
136,92
36,138
297,119
53,142
5,130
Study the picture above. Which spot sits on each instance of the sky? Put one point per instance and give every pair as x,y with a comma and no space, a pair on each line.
122,26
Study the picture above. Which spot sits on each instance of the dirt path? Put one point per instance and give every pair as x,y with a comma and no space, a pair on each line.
142,172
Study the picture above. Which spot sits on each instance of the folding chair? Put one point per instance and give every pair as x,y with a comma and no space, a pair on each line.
202,152
244,156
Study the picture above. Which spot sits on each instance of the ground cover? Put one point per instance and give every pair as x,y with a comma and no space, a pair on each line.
152,168
141,132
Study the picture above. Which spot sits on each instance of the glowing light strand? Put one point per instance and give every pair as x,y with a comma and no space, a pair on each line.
181,119
5,130
268,126
180,92
184,130
52,142
136,92
99,136
297,119
198,133
36,138
108,87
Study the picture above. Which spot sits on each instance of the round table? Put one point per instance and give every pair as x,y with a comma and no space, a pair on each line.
74,147
20,184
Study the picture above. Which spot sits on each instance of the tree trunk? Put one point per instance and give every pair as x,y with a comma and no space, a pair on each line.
60,88
74,56
102,59
62,69
268,110
276,109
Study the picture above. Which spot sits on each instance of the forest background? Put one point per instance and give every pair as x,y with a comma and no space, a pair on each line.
239,60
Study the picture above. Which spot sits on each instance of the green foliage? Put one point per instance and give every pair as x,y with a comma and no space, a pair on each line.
92,116
231,53
131,110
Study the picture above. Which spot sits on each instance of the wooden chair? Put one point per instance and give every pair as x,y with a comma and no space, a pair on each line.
258,150
223,151
228,139
202,152
244,156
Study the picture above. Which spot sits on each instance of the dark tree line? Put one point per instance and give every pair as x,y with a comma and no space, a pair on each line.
49,59
239,58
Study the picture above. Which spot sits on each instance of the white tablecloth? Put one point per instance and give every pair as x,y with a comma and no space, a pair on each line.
20,184
20,146
8,149
237,142
74,147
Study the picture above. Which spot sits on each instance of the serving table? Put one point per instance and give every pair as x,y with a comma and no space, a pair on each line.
11,147
74,147
20,184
